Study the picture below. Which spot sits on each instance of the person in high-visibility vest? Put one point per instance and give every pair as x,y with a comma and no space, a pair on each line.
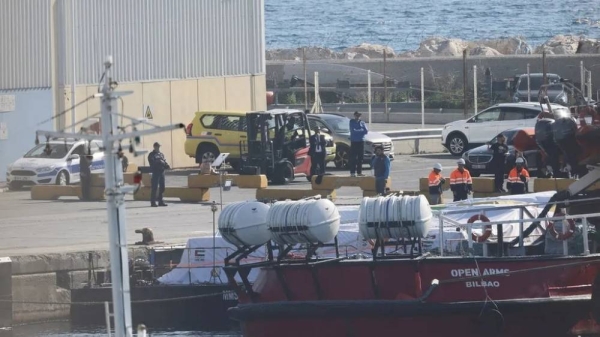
436,181
461,182
518,178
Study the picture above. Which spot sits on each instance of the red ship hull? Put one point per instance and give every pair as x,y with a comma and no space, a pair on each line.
511,296
387,318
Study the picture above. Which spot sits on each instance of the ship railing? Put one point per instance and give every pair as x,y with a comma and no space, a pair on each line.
190,258
523,212
213,259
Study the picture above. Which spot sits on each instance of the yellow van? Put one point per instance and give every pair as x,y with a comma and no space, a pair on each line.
213,132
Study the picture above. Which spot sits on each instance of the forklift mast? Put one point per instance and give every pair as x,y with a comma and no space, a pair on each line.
266,149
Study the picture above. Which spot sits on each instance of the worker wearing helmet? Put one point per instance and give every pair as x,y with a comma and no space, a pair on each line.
461,182
518,178
436,182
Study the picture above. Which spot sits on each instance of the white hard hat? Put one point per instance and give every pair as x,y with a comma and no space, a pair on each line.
438,166
520,160
461,162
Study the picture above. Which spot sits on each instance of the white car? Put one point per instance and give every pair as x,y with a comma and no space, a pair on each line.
460,136
59,165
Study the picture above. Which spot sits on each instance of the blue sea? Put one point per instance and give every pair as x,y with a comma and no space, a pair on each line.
403,24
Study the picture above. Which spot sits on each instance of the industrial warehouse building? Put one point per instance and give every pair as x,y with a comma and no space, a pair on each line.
177,57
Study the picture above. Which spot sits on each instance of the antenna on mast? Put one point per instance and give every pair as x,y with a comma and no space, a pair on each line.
112,136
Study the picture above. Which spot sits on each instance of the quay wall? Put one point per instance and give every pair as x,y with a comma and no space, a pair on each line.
39,285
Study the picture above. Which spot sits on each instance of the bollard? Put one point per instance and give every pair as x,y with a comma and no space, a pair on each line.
141,330
6,308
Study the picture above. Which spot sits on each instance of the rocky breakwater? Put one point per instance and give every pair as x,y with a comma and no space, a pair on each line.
444,47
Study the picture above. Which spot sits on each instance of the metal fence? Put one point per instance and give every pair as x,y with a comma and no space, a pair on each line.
414,134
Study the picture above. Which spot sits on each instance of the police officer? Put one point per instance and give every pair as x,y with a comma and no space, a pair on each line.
158,165
85,175
317,152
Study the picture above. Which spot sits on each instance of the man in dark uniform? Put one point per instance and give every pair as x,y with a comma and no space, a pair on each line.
317,152
381,168
500,150
85,175
158,165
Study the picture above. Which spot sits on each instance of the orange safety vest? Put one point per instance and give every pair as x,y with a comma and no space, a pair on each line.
435,180
514,176
457,178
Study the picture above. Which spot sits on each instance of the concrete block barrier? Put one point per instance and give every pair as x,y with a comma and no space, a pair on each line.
96,193
207,181
98,179
147,179
332,182
6,307
53,192
131,168
185,194
252,181
424,184
485,185
559,184
291,194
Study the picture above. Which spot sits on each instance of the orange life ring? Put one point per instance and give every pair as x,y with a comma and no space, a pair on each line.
561,236
487,229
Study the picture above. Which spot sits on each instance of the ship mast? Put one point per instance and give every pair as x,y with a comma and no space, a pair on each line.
112,136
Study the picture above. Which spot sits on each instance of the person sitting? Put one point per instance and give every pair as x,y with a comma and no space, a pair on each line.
518,178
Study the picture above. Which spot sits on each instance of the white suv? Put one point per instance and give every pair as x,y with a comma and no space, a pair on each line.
459,136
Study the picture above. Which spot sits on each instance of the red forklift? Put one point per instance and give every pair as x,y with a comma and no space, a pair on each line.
277,145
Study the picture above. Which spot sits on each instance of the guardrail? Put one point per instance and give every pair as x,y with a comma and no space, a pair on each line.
414,134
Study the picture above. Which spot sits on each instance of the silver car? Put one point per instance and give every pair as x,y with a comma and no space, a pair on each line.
338,126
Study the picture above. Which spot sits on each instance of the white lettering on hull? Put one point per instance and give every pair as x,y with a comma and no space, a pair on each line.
471,272
229,296
481,284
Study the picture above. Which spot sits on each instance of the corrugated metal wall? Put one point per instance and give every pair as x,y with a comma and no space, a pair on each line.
25,44
149,40
163,39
